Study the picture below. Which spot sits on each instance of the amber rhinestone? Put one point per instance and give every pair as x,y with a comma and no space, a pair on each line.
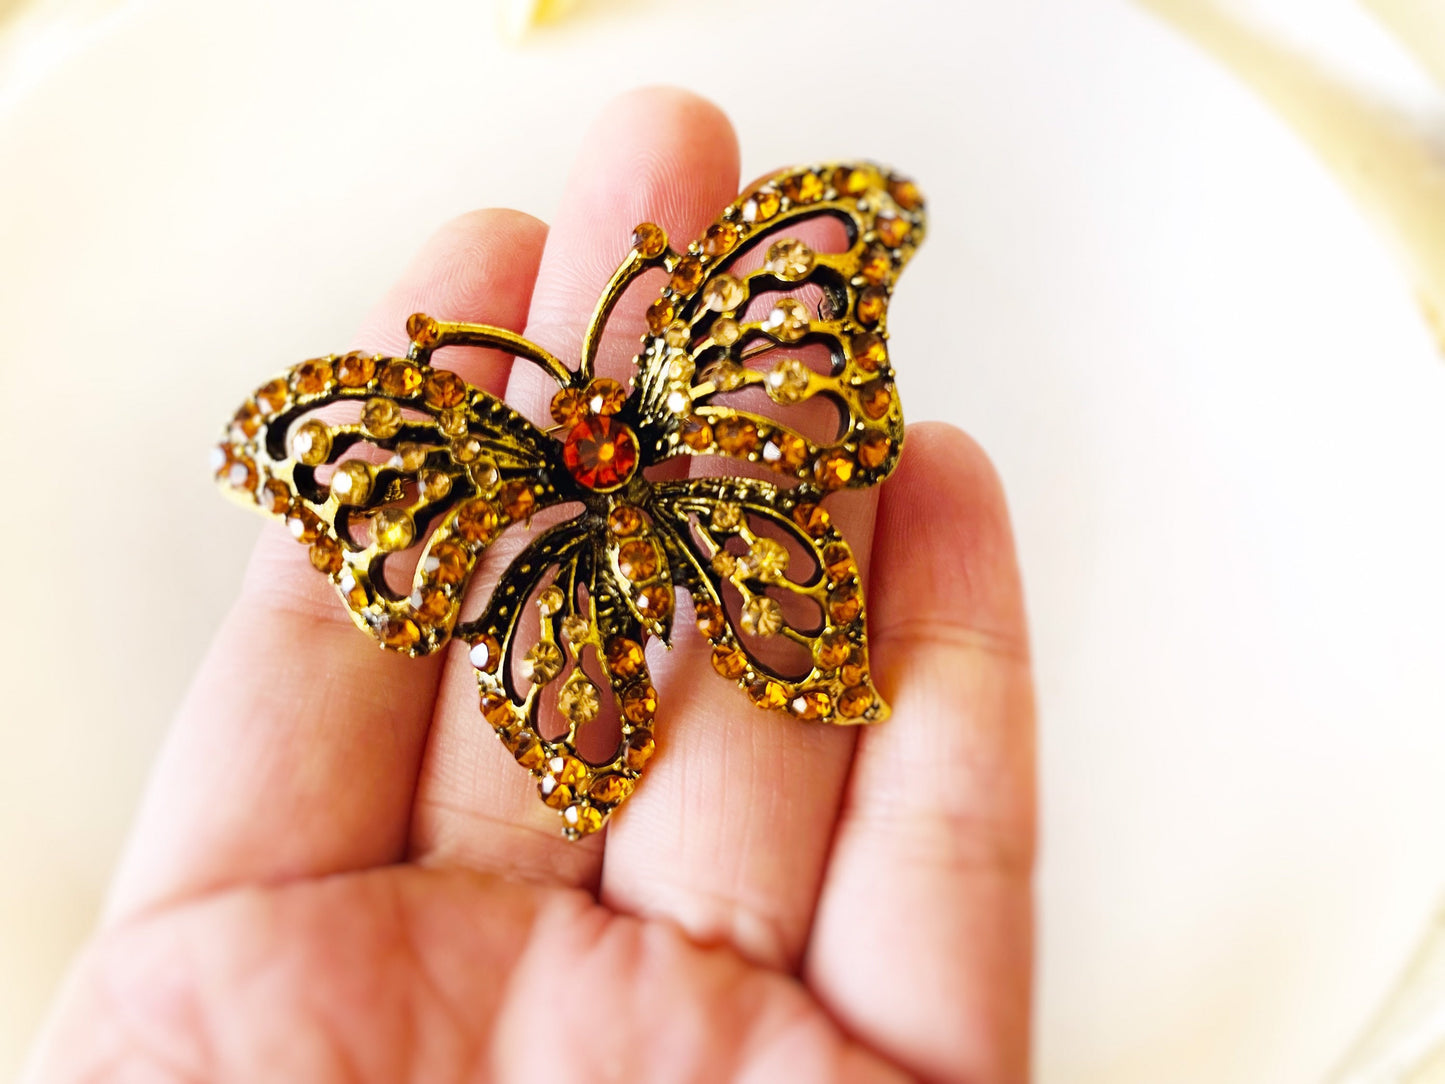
567,769
637,560
837,561
789,321
853,182
605,396
844,604
443,389
892,231
653,601
659,315
311,443
869,351
325,555
719,240
240,472
392,529
873,448
875,265
422,329
453,423
695,433
578,699
649,239
568,406
640,747
723,293
639,704
736,436
542,662
556,794
786,450
834,469
725,331
276,497
611,788
485,653
872,303
813,519
762,616
248,419
710,619
272,395
803,187
351,483
853,672
767,560
355,370
401,379
446,564
855,702
303,525
729,661
398,632
624,520
477,521
814,704
767,693
831,649
352,589
529,751
600,452
686,275
761,206
788,381
790,259
582,819
624,658
431,604
517,500
312,377
875,397
381,418
435,484
905,193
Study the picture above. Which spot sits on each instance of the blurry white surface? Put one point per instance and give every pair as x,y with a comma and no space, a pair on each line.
1206,385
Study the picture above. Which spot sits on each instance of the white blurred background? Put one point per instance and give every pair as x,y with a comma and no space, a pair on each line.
1209,390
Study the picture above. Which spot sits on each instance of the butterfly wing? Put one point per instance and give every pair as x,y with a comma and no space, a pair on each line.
584,616
736,545
367,458
714,321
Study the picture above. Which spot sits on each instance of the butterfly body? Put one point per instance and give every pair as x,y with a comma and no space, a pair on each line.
373,460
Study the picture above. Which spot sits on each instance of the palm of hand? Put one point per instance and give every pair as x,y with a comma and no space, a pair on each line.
338,873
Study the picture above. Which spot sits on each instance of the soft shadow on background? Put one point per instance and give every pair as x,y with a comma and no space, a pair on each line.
1201,371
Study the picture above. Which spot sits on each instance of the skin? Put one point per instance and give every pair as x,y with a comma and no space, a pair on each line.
339,874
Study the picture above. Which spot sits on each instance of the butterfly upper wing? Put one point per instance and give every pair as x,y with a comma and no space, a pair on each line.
706,323
427,452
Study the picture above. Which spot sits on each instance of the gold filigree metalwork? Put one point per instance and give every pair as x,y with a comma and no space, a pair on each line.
371,459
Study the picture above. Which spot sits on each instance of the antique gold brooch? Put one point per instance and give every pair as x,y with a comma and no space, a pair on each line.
398,475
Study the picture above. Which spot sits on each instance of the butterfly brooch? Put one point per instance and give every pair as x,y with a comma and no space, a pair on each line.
398,476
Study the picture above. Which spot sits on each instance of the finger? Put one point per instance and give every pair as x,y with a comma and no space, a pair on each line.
657,155
297,748
922,939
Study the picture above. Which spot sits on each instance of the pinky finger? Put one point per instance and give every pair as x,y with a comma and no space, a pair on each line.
922,938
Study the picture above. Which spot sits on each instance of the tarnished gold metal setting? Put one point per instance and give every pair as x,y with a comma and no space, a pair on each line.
372,459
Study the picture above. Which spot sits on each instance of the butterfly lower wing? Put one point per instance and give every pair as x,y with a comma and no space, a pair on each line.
363,455
720,554
706,334
582,611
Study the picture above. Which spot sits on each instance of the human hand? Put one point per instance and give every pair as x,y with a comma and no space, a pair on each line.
339,873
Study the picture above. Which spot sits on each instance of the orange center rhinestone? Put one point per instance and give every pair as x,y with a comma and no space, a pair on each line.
600,452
